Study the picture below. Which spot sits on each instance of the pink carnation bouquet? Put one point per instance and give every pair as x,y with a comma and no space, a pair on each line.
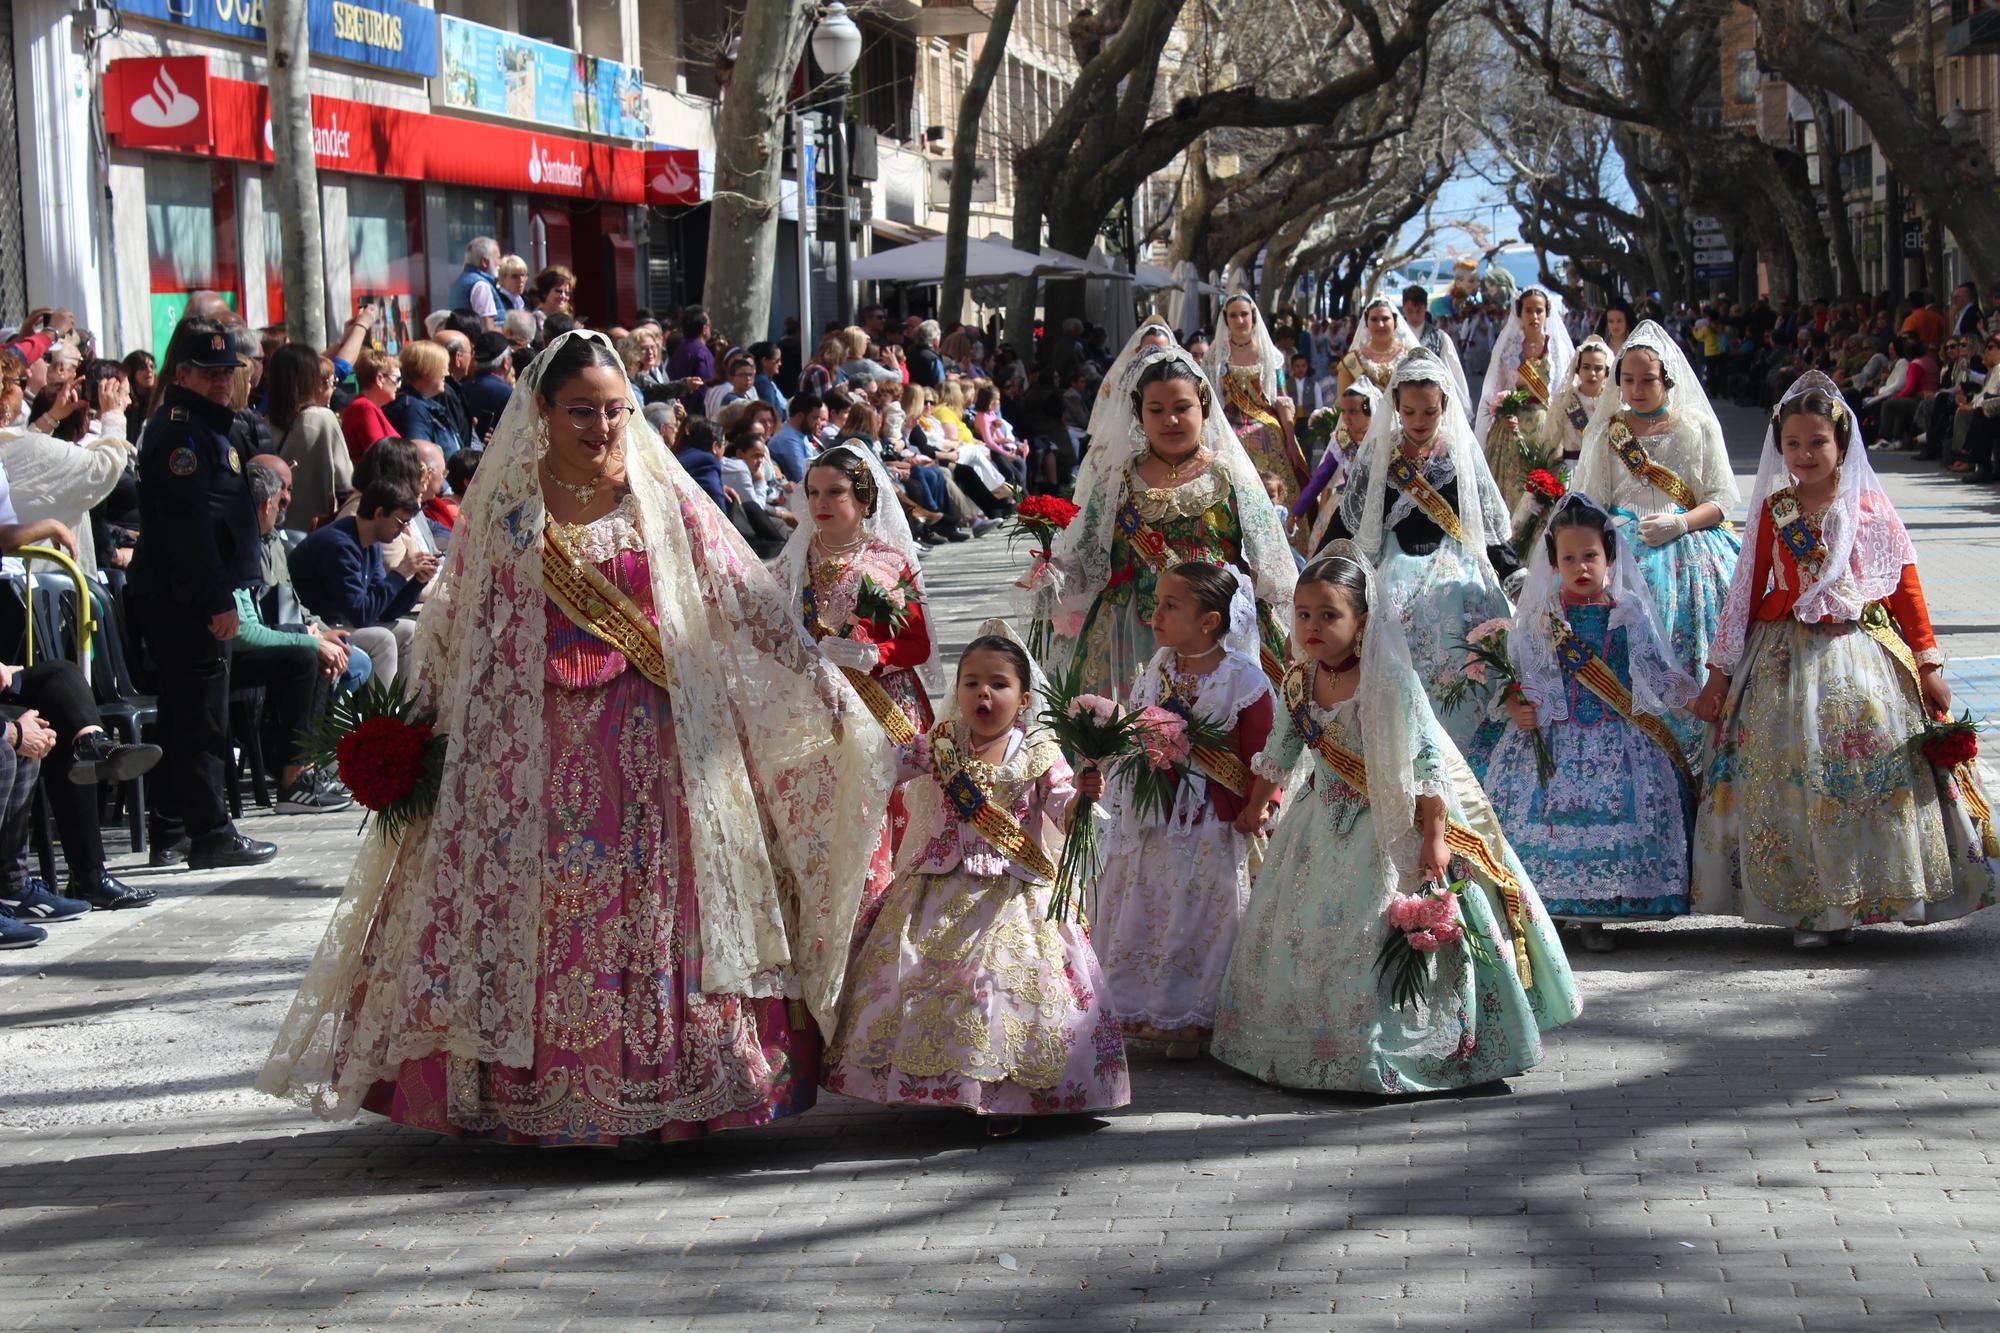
1421,925
1487,667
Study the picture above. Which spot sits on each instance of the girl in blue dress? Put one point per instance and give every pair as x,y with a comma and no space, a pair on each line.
1607,836
1389,806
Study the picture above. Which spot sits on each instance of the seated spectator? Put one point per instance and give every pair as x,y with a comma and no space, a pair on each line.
767,357
376,379
797,441
24,741
339,574
740,383
49,477
699,450
856,365
458,473
296,668
1901,412
309,435
421,411
487,390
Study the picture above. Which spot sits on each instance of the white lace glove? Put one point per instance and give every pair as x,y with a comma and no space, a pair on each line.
851,653
1659,529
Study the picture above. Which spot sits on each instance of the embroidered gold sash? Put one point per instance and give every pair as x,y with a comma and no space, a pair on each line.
1595,674
1642,465
1408,478
1531,380
1152,547
884,709
971,803
595,604
1238,393
1880,625
1353,770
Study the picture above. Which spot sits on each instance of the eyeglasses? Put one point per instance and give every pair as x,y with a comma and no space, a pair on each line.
583,418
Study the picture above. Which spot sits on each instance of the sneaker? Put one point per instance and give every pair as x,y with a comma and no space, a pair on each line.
226,851
306,797
330,784
982,526
953,533
19,934
36,905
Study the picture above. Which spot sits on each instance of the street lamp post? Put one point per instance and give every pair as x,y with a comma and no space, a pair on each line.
836,48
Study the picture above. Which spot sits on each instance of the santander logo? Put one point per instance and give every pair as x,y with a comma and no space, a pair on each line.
546,170
164,105
673,179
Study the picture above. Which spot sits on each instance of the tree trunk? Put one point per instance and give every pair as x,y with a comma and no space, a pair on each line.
965,153
1951,178
1836,202
743,231
303,266
1927,108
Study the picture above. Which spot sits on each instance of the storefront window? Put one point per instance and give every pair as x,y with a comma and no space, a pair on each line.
190,237
469,213
385,257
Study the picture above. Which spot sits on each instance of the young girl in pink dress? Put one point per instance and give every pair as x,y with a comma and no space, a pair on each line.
963,993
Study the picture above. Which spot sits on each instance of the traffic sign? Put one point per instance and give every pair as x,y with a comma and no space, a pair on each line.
1716,273
1715,257
1711,240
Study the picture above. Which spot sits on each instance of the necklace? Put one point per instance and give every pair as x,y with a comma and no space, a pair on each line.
828,564
1182,659
584,491
1245,343
1174,466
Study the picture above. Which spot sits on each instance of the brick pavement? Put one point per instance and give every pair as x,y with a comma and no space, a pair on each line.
1733,1136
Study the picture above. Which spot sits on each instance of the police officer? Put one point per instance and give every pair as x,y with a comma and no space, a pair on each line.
198,543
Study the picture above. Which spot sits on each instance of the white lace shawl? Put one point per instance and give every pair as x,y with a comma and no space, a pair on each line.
1080,564
1270,361
886,525
1365,508
1867,545
435,946
1394,718
1505,364
1691,447
1658,685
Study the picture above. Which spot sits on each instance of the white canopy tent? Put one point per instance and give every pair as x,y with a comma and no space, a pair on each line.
985,261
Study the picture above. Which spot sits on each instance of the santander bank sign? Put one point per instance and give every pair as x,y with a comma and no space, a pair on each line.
545,168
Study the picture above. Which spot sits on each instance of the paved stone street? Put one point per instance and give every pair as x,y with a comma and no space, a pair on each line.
1734,1135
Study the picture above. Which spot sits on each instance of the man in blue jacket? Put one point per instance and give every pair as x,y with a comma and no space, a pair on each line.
338,573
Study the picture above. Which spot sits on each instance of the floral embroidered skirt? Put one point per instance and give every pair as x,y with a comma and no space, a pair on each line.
1504,452
966,995
1819,812
1608,835
1303,1007
1168,906
1269,456
627,1047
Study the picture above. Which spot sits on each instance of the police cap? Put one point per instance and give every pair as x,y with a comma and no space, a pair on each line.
206,344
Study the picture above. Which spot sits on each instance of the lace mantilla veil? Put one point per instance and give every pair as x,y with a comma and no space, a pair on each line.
1080,566
887,525
1390,713
434,946
1481,511
1658,685
1270,361
1507,357
1598,468
1116,386
1866,544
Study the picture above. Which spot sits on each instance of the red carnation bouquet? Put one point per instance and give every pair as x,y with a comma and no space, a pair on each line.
1539,492
1037,520
1948,742
385,750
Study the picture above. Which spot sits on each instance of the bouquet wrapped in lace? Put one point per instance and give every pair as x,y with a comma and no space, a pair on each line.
1037,520
1421,925
385,751
1486,661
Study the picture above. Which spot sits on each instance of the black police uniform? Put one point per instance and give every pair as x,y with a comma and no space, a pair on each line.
198,543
